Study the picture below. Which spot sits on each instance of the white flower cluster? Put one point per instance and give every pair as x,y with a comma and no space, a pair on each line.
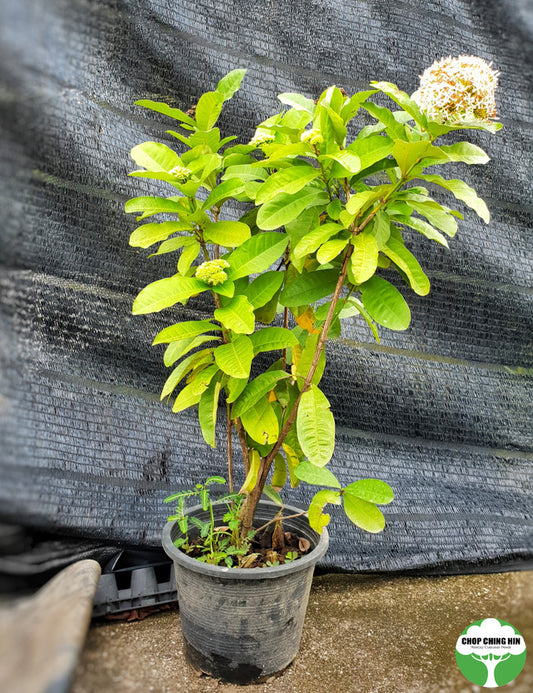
182,173
212,272
458,90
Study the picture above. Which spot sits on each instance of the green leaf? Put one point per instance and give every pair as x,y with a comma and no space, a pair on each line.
407,154
317,519
334,208
313,240
155,156
244,172
366,316
363,514
174,244
229,234
237,315
281,152
207,411
437,129
315,426
258,388
227,288
306,359
222,192
261,423
272,339
191,393
148,234
292,462
215,480
153,205
279,476
384,115
273,494
436,215
176,350
251,478
257,254
332,126
318,476
235,358
308,220
364,259
424,228
167,110
266,314
309,287
234,388
371,149
284,208
380,228
329,251
166,292
403,100
288,180
192,361
263,288
202,166
208,109
167,177
184,330
346,158
407,262
209,138
466,152
188,256
181,137
385,304
371,490
361,200
230,83
462,192
353,104
297,101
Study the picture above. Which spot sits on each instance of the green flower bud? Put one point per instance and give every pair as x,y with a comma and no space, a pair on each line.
212,272
261,138
312,136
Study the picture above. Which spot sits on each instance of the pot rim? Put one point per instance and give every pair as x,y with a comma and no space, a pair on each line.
223,572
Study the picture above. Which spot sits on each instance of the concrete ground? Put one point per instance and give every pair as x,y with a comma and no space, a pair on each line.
361,635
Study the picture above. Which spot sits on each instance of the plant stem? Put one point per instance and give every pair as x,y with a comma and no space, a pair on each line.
284,352
212,526
230,451
238,424
250,504
216,211
244,445
277,519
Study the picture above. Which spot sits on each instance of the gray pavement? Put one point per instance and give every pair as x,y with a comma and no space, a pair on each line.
361,635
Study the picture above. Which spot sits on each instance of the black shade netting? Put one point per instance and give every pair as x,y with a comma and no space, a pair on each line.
442,412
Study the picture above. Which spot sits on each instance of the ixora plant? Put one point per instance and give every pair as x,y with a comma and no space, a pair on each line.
328,225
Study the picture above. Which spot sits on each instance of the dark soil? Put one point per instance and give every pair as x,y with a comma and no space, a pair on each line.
268,548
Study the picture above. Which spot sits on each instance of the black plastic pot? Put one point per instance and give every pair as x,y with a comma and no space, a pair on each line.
241,624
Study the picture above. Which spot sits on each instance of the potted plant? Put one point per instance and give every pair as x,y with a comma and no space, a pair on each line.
326,232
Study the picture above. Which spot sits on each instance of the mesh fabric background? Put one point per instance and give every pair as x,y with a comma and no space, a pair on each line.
442,412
